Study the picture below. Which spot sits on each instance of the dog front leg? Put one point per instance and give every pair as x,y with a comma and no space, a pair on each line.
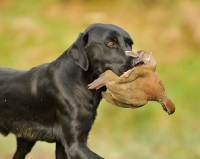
75,135
79,150
60,151
23,148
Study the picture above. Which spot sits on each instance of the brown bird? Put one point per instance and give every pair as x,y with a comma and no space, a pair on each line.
135,87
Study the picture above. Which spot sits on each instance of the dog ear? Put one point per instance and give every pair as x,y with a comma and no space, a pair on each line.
77,52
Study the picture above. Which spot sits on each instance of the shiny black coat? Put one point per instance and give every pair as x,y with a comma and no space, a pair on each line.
52,103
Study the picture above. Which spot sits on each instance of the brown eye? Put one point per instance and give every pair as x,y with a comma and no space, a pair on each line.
110,43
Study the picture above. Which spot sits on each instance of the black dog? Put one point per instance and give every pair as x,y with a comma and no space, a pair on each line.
51,102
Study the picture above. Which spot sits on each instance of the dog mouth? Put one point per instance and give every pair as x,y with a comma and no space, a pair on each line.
136,59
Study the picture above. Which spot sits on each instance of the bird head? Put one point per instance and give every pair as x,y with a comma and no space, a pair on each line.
148,58
167,105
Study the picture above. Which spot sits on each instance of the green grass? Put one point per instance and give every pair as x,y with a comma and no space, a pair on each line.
35,32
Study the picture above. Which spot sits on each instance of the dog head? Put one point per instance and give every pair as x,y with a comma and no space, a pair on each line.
102,47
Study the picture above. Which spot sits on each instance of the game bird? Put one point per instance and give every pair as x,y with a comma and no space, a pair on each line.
135,87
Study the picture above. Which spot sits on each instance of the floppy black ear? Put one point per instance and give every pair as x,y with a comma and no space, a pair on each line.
77,52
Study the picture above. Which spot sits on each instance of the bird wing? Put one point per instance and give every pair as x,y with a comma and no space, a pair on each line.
105,77
133,74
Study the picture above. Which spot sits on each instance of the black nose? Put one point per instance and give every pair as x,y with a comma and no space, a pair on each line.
137,61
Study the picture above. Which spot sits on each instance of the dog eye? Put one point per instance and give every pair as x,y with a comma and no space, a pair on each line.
110,43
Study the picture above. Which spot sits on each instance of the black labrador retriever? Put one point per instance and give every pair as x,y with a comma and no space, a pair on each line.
52,103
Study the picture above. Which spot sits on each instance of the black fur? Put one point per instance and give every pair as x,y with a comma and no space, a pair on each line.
51,102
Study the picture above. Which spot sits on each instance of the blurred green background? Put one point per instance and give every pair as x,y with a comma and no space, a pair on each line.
34,32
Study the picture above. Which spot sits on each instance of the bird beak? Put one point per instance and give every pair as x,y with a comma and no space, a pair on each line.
131,53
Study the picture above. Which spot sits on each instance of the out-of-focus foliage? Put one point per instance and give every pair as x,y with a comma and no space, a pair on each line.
35,32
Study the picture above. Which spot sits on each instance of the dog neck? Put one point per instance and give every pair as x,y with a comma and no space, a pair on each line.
67,74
